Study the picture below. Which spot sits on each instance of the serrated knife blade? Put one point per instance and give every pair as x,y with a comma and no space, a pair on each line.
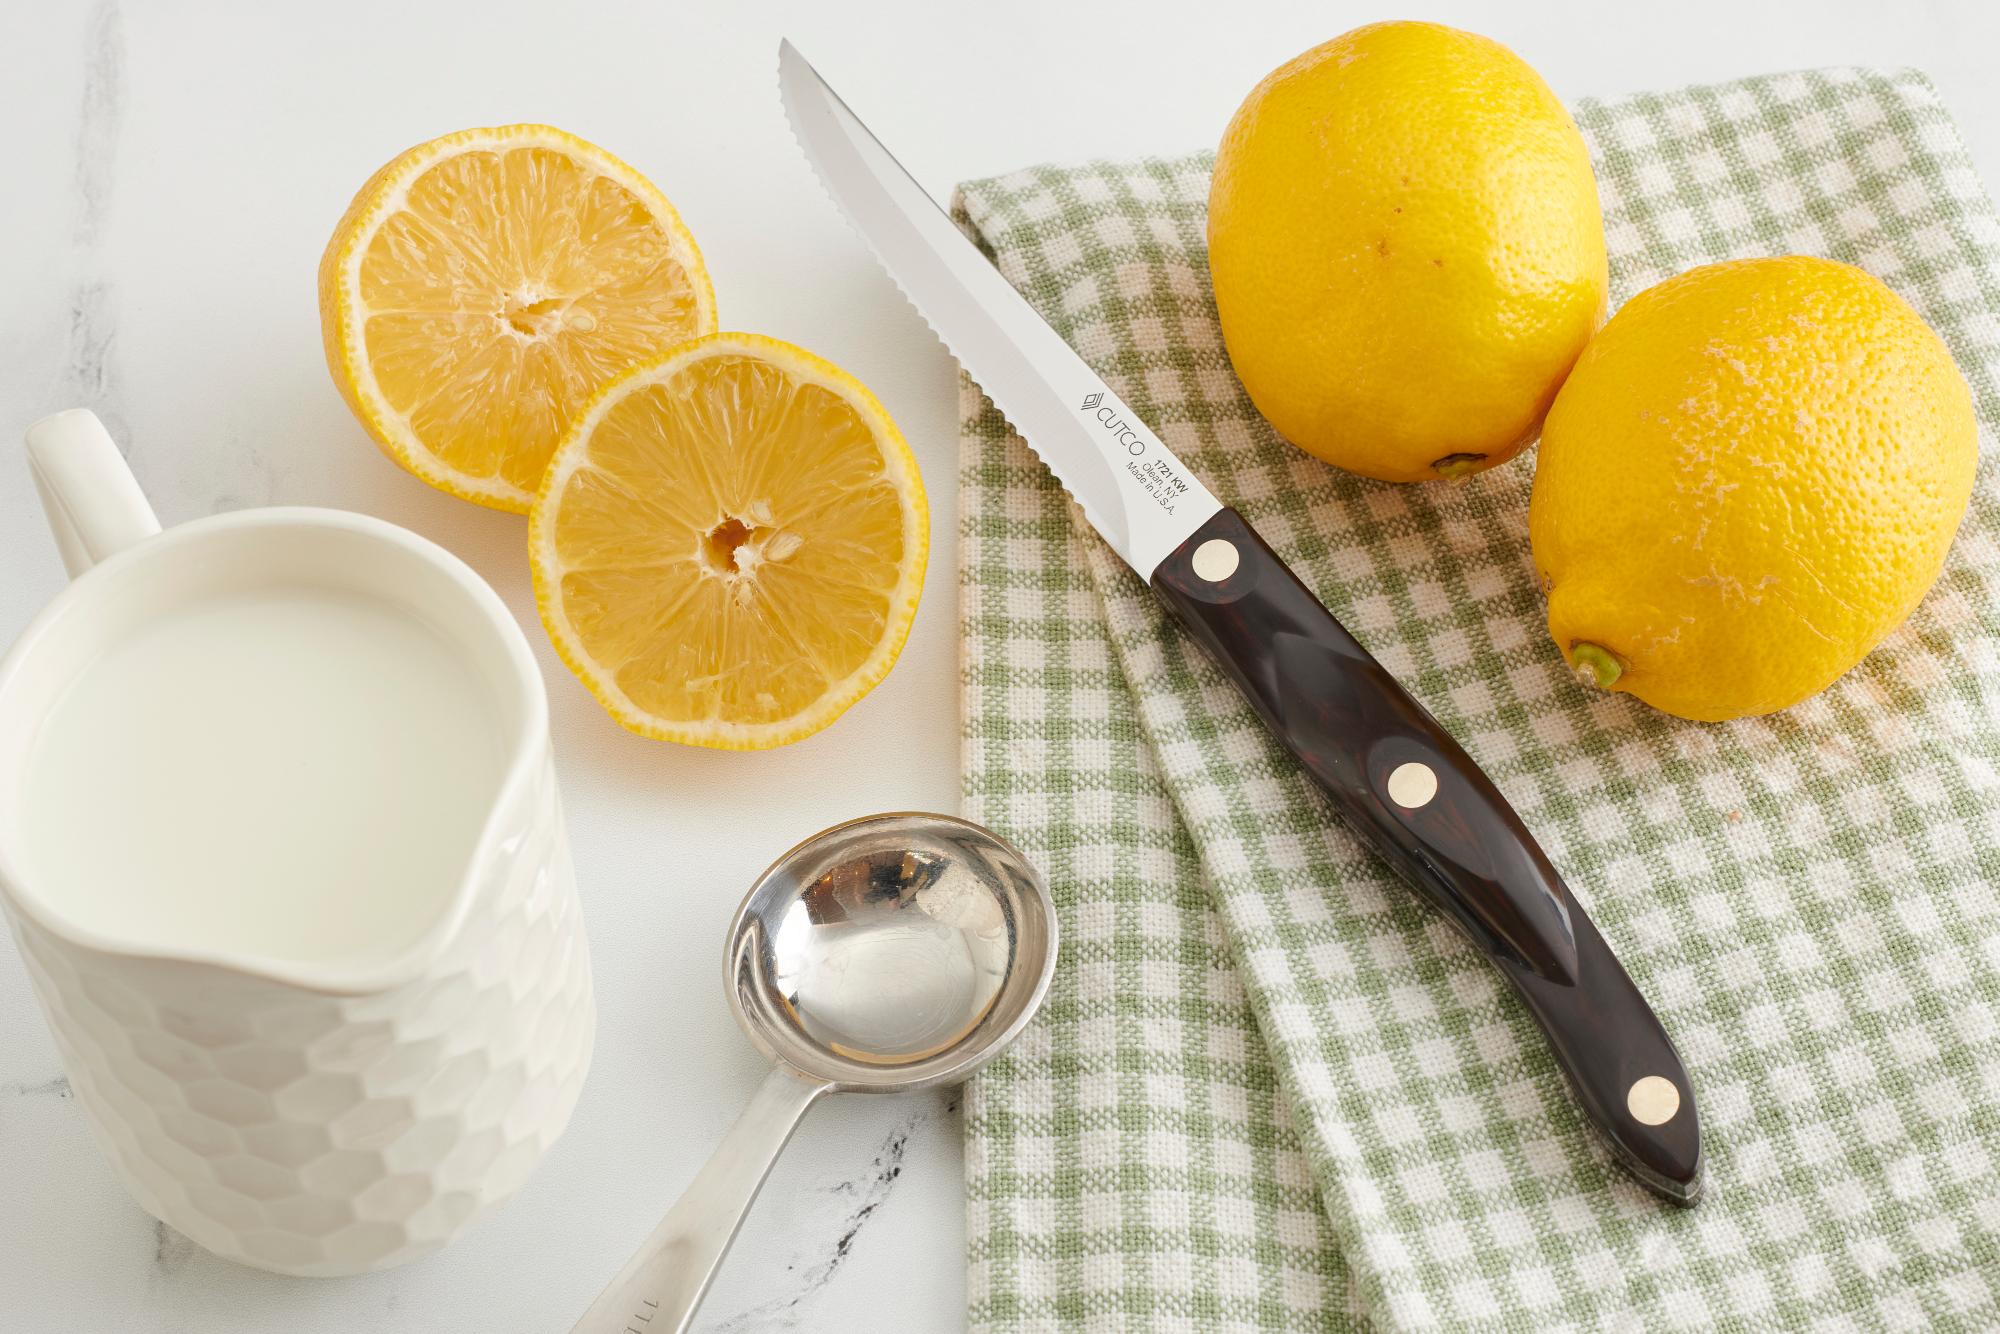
1133,490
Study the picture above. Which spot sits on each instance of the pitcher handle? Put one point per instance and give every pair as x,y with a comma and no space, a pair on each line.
93,501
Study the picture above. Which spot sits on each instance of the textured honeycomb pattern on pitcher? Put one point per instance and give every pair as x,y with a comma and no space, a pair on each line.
317,1135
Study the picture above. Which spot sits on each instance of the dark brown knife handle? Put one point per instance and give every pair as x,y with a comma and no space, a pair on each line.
1416,797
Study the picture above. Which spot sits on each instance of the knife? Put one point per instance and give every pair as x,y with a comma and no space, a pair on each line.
1393,774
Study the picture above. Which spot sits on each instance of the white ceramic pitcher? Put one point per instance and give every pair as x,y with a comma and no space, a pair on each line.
334,1115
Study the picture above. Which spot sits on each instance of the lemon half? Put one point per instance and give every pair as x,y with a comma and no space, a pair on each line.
484,285
729,545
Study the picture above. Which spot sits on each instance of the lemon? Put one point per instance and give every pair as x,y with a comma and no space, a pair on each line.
1406,249
484,285
1752,476
729,545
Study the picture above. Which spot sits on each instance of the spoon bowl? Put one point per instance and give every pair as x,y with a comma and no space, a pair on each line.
891,953
886,954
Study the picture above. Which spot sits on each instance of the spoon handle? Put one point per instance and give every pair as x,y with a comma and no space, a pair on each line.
659,1288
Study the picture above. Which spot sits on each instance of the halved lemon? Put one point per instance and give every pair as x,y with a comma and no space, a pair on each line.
484,285
729,545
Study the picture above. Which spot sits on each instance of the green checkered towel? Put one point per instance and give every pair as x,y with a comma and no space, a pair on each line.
1271,1088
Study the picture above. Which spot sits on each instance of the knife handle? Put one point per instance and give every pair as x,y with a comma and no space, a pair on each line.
1402,784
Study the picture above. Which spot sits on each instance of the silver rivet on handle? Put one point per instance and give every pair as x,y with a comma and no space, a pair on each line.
1413,784
1653,1100
1216,559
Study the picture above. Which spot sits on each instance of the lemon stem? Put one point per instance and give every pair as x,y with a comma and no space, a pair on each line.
1594,665
1455,466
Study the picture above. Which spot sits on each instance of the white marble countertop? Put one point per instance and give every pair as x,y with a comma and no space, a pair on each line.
172,174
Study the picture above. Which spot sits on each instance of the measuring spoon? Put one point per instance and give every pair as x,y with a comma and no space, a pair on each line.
887,954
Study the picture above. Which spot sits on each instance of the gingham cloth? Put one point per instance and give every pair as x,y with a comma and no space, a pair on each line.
1271,1088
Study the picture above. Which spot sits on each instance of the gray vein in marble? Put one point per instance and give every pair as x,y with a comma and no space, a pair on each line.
47,1088
254,475
870,1192
87,377
97,126
171,1250
93,335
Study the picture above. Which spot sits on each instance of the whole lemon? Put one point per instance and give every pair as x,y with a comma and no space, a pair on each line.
1407,251
1752,475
